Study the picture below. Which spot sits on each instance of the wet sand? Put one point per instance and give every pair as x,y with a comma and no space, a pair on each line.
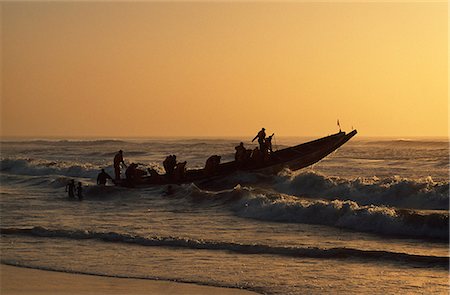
18,280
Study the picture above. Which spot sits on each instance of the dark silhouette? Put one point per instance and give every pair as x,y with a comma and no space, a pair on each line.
80,192
118,158
133,174
179,171
154,176
268,142
294,157
131,171
169,165
212,165
102,177
240,153
260,136
257,156
70,189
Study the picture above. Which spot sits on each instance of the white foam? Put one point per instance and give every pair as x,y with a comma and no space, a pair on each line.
393,191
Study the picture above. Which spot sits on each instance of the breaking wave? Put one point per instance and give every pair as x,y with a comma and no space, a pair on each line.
178,242
43,168
393,191
269,206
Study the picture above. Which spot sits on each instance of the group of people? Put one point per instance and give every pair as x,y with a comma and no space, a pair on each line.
259,154
175,171
73,190
265,143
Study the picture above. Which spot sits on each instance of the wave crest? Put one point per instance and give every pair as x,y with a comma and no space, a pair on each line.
393,191
345,214
178,242
34,167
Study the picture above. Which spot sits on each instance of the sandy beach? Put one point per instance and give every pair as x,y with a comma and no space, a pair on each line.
18,280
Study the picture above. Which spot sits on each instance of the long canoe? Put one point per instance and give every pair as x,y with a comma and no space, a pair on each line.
294,158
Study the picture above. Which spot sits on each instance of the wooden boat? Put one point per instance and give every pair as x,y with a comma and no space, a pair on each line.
294,158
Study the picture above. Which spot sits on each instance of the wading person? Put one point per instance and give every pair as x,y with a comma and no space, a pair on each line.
70,189
80,192
103,177
118,159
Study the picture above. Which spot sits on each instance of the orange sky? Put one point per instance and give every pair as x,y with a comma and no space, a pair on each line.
223,69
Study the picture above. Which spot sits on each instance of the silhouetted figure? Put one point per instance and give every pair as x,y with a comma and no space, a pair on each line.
179,171
169,165
130,173
80,192
240,153
257,156
154,176
103,177
118,159
260,136
70,189
133,174
212,165
268,142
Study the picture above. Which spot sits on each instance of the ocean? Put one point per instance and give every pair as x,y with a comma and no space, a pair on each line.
371,218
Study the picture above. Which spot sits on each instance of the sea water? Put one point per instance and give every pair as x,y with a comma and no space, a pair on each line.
370,218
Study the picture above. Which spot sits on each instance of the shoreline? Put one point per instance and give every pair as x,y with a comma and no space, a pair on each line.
25,280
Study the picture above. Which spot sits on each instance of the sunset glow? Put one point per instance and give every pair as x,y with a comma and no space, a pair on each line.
223,69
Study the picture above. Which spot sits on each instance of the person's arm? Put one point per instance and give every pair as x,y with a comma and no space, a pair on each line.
255,138
123,162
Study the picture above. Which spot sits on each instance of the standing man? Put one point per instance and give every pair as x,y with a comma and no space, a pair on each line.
261,136
118,158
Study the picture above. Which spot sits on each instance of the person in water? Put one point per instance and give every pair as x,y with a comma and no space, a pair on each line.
70,189
118,159
103,177
261,136
80,191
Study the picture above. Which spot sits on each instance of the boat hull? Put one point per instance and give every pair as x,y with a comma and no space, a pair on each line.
294,158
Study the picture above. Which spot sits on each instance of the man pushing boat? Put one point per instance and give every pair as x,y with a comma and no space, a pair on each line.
118,158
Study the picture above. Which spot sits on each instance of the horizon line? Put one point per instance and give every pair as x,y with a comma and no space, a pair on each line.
100,137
